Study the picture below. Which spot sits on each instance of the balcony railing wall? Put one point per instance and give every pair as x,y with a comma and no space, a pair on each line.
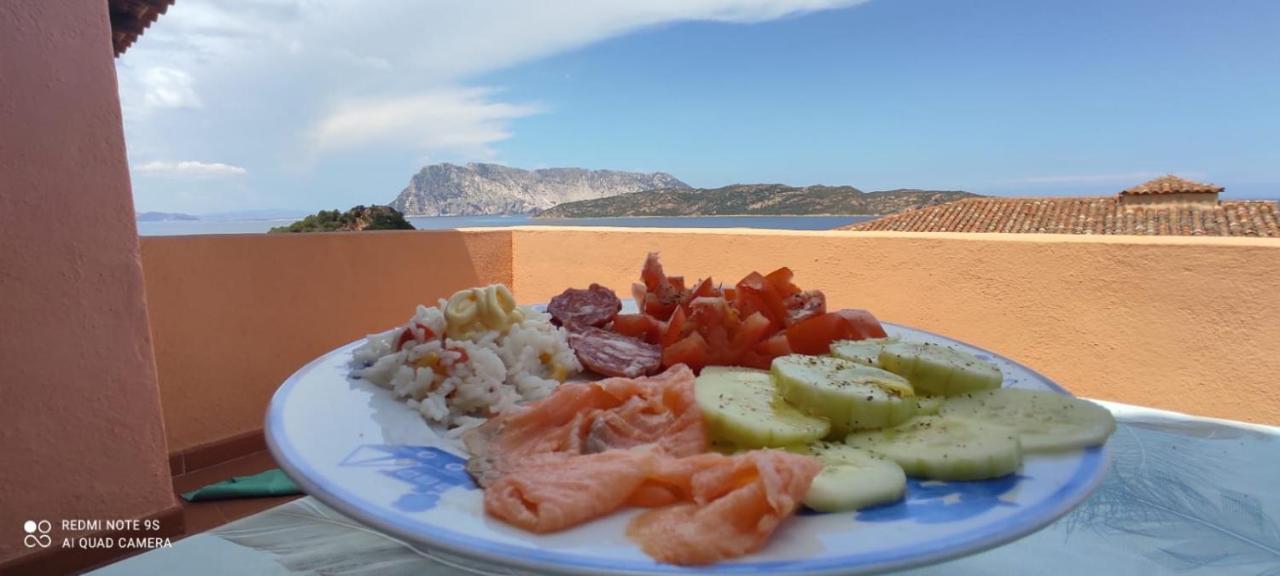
233,316
1188,324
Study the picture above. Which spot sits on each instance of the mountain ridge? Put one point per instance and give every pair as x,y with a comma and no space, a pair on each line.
478,188
755,199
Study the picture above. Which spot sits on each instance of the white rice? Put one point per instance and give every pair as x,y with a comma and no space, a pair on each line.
500,370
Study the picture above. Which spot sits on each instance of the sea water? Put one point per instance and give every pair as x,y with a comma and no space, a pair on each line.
190,227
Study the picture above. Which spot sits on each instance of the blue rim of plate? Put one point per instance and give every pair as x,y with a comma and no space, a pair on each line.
1086,477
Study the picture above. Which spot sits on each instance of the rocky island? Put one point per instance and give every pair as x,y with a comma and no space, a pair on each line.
755,199
477,189
353,220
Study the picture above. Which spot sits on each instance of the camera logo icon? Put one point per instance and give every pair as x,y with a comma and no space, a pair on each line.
37,534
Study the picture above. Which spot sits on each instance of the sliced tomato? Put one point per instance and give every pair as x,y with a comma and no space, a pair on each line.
861,325
803,305
728,293
641,326
676,282
780,279
690,350
674,328
814,335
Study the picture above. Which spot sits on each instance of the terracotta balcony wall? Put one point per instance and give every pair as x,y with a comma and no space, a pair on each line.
1186,324
233,316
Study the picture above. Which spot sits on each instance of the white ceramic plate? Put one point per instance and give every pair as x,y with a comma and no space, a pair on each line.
356,448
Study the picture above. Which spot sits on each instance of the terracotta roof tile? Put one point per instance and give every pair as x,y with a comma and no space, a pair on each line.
130,17
1097,215
1170,184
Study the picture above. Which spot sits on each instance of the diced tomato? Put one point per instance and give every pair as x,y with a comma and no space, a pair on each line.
708,309
780,279
427,332
709,316
639,292
410,335
652,273
690,350
406,336
667,292
814,335
674,329
750,332
774,346
803,305
641,326
705,288
862,325
756,294
654,306
760,318
749,303
753,359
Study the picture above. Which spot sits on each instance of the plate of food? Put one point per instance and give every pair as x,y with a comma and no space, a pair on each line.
700,427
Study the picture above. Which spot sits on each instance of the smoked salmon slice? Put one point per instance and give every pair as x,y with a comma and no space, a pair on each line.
737,503
591,417
592,448
550,492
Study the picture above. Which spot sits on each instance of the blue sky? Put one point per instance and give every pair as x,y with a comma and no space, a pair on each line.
299,105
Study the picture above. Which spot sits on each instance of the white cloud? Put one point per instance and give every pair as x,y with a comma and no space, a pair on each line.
462,120
290,81
168,88
1121,177
189,168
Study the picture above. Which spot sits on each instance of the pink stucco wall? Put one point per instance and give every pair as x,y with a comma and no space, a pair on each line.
81,434
233,316
1180,323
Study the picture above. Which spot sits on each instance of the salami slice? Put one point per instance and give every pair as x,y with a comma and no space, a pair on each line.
613,354
576,308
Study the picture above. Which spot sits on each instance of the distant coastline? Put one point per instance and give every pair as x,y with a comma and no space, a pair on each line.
206,226
754,200
657,216
165,217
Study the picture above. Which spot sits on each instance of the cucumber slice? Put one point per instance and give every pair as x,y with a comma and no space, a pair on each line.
850,395
742,408
1045,421
861,351
939,370
944,448
724,448
929,405
851,478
